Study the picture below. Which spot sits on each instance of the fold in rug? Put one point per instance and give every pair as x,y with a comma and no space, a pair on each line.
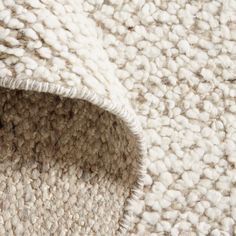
71,146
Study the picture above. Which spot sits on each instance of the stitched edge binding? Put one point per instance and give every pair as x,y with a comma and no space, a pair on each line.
117,109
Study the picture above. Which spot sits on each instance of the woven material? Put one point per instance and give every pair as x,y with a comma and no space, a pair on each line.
117,117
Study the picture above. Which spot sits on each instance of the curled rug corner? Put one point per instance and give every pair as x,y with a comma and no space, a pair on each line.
71,147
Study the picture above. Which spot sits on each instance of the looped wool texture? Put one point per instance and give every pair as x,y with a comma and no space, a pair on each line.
53,47
118,116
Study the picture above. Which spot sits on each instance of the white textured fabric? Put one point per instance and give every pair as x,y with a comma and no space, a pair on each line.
175,63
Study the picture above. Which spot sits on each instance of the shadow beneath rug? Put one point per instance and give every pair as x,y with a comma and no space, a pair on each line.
66,166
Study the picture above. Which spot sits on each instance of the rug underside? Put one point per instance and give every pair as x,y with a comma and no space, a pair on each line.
66,166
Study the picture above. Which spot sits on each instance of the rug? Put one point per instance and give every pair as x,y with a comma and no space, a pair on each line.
118,117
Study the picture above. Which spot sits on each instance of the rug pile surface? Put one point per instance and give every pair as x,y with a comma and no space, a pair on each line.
118,117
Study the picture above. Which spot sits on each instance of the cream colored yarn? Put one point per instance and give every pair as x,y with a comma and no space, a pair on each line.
177,58
174,62
85,165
